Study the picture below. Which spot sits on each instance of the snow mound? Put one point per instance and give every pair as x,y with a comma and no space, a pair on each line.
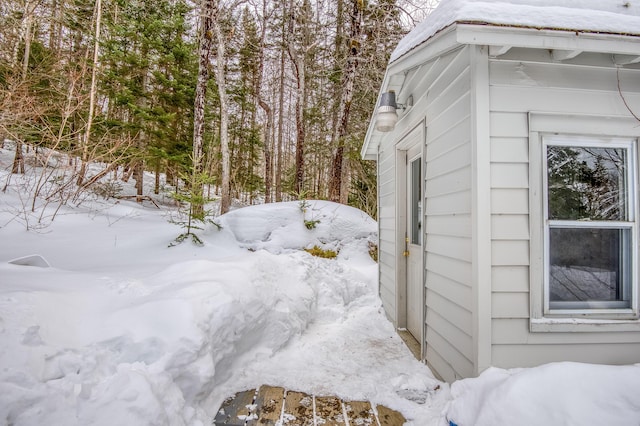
566,393
298,225
124,330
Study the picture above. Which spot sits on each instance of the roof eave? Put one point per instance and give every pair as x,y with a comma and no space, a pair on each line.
476,33
438,44
479,33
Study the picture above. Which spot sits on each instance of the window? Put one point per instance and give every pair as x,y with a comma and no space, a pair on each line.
416,201
590,235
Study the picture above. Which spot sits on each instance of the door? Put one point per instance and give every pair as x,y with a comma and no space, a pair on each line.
414,252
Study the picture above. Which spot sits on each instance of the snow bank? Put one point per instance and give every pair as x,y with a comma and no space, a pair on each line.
146,351
101,323
563,393
298,225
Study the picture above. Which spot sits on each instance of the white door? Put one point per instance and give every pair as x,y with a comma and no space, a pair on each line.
414,252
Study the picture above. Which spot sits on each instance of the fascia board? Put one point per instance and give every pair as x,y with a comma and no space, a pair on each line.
491,35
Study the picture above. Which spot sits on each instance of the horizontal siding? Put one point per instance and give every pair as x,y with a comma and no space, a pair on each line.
510,175
447,141
508,124
568,101
449,204
531,355
461,365
387,188
559,75
454,269
458,316
516,331
509,252
509,150
454,337
451,290
443,140
451,182
386,200
510,279
447,207
386,262
459,154
522,81
510,200
510,305
387,296
443,99
387,232
439,366
455,226
451,247
509,227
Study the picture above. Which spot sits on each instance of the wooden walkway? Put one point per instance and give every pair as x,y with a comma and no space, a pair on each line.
271,406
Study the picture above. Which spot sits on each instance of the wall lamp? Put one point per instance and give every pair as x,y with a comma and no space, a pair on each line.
386,115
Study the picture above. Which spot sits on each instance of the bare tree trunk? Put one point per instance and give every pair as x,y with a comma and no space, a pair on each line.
92,95
138,175
156,183
298,60
279,158
221,59
206,42
27,34
268,134
268,152
300,125
336,187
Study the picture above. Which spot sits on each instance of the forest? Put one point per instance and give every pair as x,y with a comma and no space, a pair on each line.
248,101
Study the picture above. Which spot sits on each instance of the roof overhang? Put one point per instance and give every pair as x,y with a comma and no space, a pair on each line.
564,44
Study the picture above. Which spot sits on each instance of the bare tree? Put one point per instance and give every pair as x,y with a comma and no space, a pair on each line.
92,93
207,13
221,80
336,187
299,23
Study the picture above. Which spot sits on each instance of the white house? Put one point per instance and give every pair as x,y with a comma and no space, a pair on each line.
509,186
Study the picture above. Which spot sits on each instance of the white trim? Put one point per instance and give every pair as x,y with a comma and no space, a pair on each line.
533,38
618,132
607,308
583,325
481,207
410,138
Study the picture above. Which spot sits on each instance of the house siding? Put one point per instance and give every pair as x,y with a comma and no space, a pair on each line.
387,230
448,245
524,81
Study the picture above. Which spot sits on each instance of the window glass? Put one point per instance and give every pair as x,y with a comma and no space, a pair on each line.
589,223
588,265
416,201
586,183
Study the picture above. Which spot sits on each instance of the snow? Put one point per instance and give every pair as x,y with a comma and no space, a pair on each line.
553,394
599,16
101,323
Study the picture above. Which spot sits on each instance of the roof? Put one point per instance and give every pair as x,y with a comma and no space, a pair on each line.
566,27
590,16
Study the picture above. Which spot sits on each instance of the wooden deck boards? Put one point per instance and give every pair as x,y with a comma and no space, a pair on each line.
271,406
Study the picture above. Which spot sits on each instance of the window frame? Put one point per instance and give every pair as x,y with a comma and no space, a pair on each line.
600,308
586,126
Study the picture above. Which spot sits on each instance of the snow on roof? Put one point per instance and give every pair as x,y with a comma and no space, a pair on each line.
595,16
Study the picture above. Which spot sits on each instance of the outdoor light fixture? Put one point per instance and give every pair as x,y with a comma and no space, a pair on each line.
386,115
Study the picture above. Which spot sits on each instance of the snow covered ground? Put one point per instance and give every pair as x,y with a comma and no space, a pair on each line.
110,326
